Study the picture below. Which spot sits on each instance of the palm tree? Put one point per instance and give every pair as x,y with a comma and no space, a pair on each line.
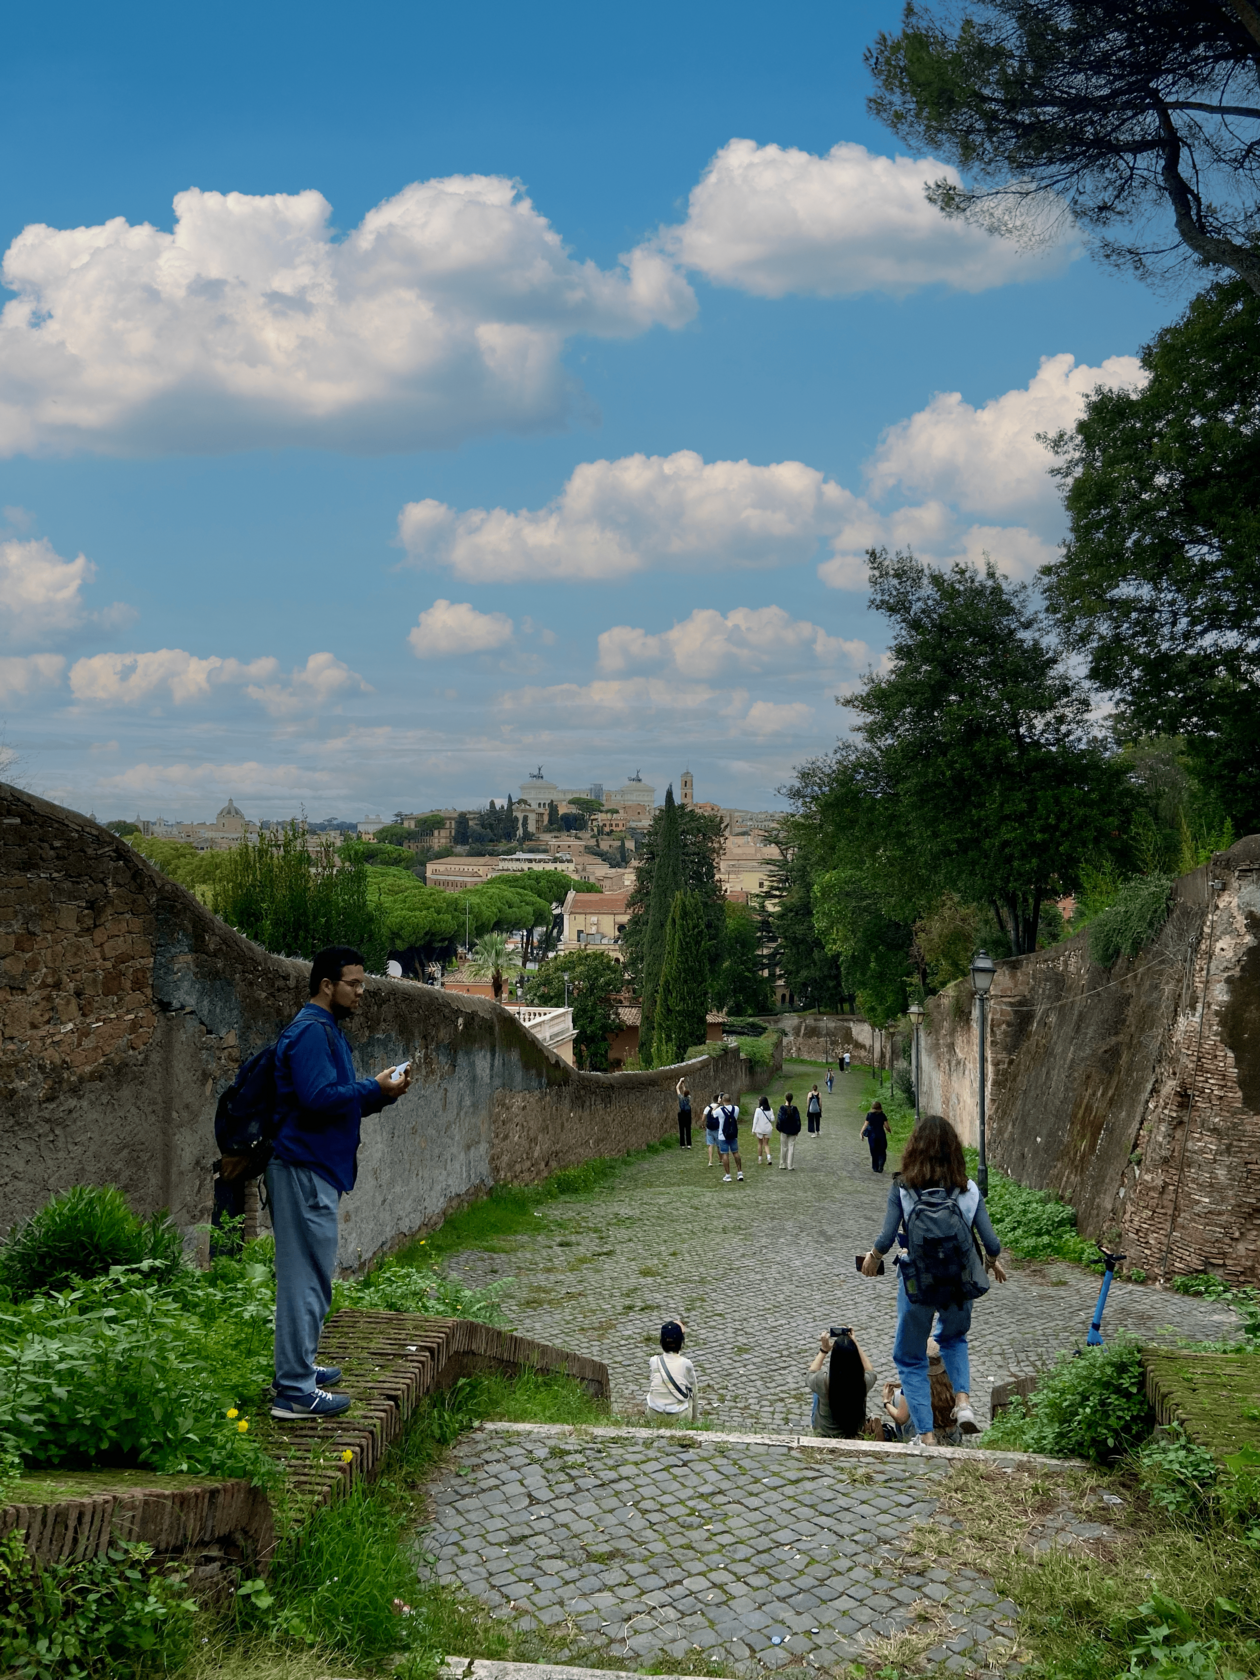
490,956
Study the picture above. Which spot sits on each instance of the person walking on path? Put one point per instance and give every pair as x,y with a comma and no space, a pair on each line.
673,1391
684,1115
712,1129
319,1106
788,1126
940,1213
813,1108
831,1081
763,1131
839,1390
875,1131
847,1059
728,1138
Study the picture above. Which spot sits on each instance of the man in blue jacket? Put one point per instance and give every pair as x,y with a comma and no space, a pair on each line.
320,1104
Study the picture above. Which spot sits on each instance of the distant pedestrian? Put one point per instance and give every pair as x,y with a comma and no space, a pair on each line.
728,1138
684,1115
672,1391
788,1126
712,1129
847,1059
813,1109
763,1131
839,1379
831,1081
875,1131
941,1212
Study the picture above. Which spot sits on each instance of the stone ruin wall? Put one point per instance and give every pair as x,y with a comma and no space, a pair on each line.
1133,1093
818,1038
126,1007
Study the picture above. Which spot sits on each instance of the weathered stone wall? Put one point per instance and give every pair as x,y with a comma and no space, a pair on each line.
125,1008
1133,1092
818,1038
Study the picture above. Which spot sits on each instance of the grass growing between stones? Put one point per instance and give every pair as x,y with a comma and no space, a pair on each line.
1137,1592
347,1599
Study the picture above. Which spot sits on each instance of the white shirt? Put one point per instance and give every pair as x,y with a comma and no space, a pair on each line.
663,1395
763,1123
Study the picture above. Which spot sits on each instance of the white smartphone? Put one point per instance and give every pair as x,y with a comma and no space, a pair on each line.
400,1072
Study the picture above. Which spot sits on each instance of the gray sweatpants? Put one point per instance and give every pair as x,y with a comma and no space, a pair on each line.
304,1219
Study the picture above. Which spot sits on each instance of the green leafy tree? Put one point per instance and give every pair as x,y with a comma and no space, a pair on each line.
553,814
650,904
491,960
1159,580
462,829
1118,110
595,984
123,828
294,900
813,974
682,999
394,834
380,856
740,985
200,872
979,767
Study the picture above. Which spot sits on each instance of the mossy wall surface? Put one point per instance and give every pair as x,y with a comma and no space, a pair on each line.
126,1007
1214,1396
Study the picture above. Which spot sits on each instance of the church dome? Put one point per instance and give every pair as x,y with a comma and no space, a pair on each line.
230,810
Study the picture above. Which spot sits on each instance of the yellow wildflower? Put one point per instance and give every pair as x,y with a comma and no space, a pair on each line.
232,1412
242,1426
346,1456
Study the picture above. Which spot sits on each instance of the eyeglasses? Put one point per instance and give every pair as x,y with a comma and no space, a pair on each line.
354,985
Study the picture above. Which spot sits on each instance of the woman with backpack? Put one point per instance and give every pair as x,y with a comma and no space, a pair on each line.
788,1126
938,1213
684,1115
813,1109
763,1131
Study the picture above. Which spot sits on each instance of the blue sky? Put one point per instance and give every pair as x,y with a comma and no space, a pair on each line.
568,453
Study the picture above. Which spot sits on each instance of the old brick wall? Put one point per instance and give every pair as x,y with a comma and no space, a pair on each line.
817,1038
125,1008
1132,1092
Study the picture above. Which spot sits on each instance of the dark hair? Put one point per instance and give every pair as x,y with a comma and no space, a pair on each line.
764,1103
672,1336
933,1157
877,1108
787,1096
329,963
846,1386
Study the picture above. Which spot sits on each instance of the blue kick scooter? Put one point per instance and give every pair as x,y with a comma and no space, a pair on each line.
1110,1262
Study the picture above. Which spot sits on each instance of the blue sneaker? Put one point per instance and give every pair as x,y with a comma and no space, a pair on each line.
327,1376
317,1404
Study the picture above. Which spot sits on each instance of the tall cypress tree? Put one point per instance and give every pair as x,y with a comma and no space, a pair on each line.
667,881
683,994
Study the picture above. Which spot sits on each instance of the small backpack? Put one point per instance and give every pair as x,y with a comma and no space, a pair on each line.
941,1265
245,1119
730,1121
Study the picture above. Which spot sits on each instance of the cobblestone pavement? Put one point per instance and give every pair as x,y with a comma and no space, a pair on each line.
684,1549
756,1270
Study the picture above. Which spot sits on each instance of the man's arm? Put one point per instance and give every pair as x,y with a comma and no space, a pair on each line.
317,1084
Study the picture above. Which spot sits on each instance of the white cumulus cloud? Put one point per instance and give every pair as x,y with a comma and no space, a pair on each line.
131,679
616,517
22,677
745,640
774,219
217,782
40,593
692,711
441,316
453,627
988,459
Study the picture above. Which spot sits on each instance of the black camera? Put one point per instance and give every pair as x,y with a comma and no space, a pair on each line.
845,1330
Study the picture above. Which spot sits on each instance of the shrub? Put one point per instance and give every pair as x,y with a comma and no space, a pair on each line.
1089,1406
109,1616
1036,1224
79,1235
1179,1476
115,1374
395,1287
1132,920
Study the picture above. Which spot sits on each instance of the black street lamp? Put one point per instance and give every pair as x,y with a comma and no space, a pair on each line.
983,969
916,1018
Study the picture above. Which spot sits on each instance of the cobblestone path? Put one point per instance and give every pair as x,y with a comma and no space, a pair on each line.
682,1550
756,1270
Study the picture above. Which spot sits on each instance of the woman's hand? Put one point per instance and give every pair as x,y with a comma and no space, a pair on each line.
870,1266
998,1270
824,1343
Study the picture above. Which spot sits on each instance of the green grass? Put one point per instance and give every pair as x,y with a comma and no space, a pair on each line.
510,1209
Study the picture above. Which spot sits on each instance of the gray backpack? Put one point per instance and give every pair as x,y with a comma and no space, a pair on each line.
942,1265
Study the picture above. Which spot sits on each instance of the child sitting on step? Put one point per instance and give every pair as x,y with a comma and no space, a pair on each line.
673,1392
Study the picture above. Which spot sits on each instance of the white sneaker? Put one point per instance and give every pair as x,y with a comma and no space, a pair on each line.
965,1418
740,1177
726,1178
917,1444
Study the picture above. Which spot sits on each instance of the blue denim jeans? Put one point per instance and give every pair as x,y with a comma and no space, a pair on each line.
304,1219
914,1326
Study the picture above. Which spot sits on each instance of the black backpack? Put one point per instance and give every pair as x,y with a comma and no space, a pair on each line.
941,1266
730,1121
245,1119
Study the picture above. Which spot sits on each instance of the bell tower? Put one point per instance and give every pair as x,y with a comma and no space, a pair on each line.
688,789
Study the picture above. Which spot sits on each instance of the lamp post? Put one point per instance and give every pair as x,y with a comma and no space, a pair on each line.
566,989
983,969
916,1020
